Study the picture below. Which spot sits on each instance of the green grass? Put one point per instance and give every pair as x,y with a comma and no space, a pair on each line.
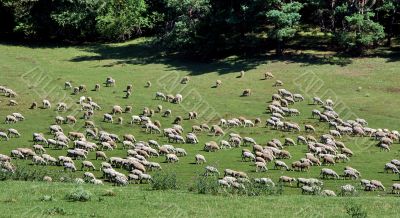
25,198
36,73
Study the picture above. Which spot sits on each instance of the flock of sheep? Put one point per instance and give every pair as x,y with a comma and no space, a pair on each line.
327,150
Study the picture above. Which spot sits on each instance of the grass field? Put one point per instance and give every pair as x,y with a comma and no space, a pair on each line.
361,87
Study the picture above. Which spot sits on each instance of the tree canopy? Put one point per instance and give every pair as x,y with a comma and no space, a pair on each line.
206,28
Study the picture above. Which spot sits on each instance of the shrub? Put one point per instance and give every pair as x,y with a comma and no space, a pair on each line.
79,194
55,211
205,185
355,210
164,181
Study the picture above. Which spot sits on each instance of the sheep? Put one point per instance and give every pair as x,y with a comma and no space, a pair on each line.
172,158
39,149
177,99
3,135
268,75
309,128
13,132
100,154
116,110
383,146
218,83
246,92
69,166
67,85
328,193
148,84
350,173
287,179
278,83
317,100
47,179
200,159
265,181
180,152
10,119
70,119
280,164
185,80
305,189
325,173
108,118
12,102
391,167
289,141
33,105
261,166
248,155
154,165
396,188
46,104
110,82
88,164
167,113
211,146
211,170
248,140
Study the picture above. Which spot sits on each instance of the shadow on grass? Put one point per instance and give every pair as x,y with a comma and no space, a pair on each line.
145,52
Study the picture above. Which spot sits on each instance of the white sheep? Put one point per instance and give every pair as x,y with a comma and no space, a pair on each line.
46,104
211,170
200,159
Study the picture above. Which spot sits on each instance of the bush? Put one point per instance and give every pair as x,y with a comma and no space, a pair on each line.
355,210
205,185
164,181
23,174
79,194
55,211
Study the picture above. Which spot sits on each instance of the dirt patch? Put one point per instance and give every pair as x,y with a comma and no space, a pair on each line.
393,89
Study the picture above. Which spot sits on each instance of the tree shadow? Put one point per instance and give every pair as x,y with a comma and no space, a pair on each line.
145,52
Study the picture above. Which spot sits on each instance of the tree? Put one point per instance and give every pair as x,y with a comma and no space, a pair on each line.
360,32
284,17
388,16
120,20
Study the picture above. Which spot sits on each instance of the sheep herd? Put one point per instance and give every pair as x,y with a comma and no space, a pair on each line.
325,150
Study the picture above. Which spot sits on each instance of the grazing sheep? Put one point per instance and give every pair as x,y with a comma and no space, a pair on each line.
10,119
88,164
287,179
171,158
326,173
110,82
328,193
305,189
100,154
309,128
218,83
185,80
148,84
108,118
211,170
391,167
246,92
200,159
46,104
4,135
280,164
13,132
33,105
248,155
350,174
261,166
211,146
278,83
317,100
265,181
268,75
396,188
69,166
47,179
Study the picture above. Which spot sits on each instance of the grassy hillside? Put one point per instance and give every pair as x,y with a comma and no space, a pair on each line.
361,87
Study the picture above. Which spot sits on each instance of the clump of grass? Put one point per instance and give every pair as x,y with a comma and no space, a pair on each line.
355,210
10,200
46,198
23,174
164,181
79,194
55,211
